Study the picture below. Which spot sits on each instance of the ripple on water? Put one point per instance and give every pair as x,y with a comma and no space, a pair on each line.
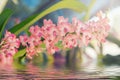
32,72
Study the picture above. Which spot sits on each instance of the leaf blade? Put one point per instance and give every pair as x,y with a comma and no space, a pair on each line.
4,16
20,53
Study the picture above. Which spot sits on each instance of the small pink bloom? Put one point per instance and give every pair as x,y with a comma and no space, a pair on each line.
50,45
30,51
48,23
8,47
36,31
24,40
64,26
82,31
61,20
70,41
100,27
52,49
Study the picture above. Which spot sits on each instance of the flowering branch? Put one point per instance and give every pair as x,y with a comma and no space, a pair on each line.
50,36
8,47
70,35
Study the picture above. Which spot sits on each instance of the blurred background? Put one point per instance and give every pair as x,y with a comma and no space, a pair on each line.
111,49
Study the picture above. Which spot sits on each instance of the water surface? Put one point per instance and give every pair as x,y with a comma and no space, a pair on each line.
58,69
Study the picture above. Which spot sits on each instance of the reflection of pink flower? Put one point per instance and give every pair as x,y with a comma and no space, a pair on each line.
6,58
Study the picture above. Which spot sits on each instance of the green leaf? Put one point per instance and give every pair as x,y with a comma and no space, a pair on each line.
20,53
4,16
23,60
59,44
43,45
63,4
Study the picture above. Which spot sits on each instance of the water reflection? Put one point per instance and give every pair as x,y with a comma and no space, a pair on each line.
57,69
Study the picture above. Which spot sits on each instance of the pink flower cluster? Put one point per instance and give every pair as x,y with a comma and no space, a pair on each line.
71,34
100,27
8,47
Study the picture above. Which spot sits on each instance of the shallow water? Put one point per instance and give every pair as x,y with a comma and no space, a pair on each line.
58,69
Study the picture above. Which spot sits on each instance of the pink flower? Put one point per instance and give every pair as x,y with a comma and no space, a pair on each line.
82,31
11,40
36,31
31,51
61,20
48,23
32,44
100,27
72,34
50,32
51,36
9,46
70,41
52,49
64,26
50,46
24,40
9,43
79,26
